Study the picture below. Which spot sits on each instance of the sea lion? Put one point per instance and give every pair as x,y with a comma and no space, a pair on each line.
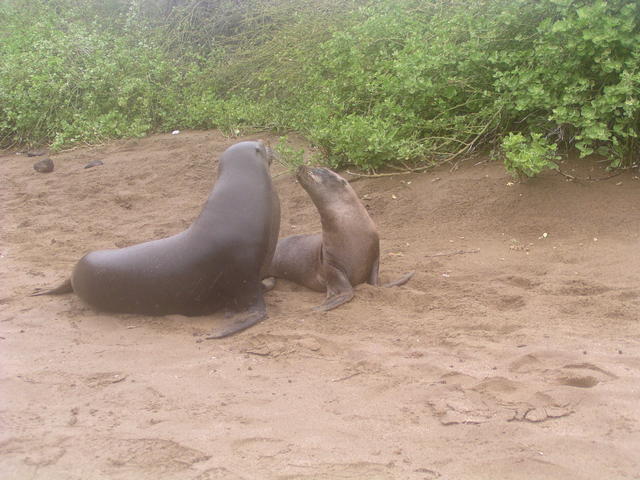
218,262
345,254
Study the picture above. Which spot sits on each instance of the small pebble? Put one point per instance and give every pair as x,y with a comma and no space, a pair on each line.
43,166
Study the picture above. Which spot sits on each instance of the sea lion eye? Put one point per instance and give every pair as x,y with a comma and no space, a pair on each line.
316,178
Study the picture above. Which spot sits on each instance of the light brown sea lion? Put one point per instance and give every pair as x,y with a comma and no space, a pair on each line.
218,262
345,254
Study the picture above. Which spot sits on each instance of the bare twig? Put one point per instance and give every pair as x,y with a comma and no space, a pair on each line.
259,354
457,252
377,175
589,179
346,378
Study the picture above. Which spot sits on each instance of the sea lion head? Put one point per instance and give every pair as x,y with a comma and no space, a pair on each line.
315,179
250,151
328,190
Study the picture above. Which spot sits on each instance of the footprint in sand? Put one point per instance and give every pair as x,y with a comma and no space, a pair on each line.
152,454
520,282
218,473
525,364
581,382
579,288
508,302
32,452
261,447
585,380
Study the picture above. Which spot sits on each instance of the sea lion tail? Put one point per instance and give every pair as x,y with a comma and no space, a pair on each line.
65,287
401,281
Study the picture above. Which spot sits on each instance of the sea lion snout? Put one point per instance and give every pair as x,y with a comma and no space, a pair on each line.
264,149
271,154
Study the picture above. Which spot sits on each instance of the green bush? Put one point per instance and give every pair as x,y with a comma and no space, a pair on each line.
370,83
415,81
423,82
76,82
579,77
288,155
527,157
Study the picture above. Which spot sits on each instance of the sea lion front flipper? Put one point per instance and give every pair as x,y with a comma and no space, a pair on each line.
64,287
334,301
241,321
401,281
373,274
339,289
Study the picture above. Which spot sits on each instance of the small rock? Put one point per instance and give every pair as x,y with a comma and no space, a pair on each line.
43,166
94,163
35,154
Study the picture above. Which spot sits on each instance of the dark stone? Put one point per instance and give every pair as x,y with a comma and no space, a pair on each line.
43,166
94,163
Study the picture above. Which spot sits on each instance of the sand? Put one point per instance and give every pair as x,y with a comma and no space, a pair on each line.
514,352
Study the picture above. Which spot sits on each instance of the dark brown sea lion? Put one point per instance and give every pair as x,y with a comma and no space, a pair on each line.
347,252
218,262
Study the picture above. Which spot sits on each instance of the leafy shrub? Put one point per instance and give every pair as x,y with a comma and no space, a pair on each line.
370,83
288,155
415,81
80,83
579,76
527,157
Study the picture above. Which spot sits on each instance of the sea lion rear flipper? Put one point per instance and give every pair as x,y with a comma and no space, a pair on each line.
339,289
401,281
65,287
